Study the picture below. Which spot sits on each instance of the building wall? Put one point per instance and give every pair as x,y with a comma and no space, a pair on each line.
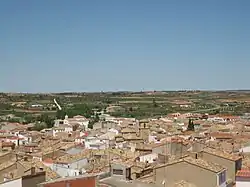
245,149
64,171
79,140
242,184
13,183
185,171
79,163
80,182
178,149
118,167
228,164
162,149
172,148
32,181
149,157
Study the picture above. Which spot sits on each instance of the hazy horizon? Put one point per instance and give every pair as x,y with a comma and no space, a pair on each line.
127,91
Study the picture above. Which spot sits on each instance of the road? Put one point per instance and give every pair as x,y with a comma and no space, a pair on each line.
58,106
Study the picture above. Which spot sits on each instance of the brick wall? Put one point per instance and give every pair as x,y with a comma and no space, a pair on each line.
78,182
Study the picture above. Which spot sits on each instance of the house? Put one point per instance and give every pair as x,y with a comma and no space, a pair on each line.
174,115
141,148
62,128
16,140
76,120
232,162
69,164
243,178
81,120
245,149
148,158
132,138
108,136
140,169
216,119
153,139
7,146
196,171
119,141
221,136
171,147
121,170
2,132
127,170
30,180
68,169
95,143
80,140
83,180
128,131
36,106
230,118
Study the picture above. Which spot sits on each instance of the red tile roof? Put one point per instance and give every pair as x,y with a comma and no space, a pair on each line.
48,161
243,173
7,144
230,117
15,138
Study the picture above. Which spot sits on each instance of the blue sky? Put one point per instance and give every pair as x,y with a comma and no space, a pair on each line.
111,45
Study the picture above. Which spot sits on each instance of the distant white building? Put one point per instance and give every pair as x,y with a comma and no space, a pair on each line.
150,158
95,143
36,105
216,119
80,120
245,149
16,138
74,168
81,139
62,128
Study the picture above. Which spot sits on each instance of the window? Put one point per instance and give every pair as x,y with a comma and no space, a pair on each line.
196,156
117,171
222,177
238,165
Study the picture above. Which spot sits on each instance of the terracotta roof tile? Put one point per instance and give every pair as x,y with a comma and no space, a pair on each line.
243,173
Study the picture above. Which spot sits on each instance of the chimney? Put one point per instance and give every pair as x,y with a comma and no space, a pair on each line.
33,170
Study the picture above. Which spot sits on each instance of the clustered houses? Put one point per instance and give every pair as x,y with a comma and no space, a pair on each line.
18,135
149,152
68,125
